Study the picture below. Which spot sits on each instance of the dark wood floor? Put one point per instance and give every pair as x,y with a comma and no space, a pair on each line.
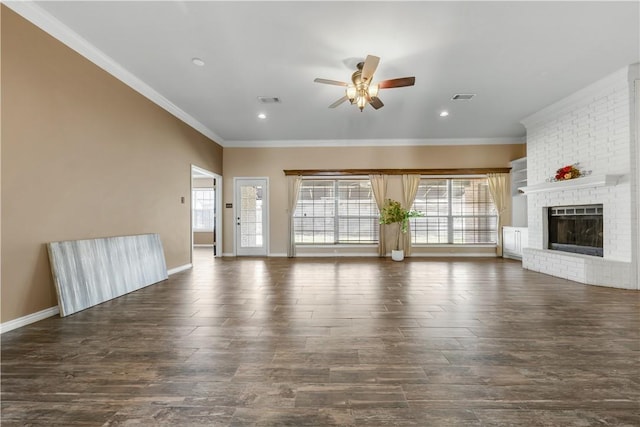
326,342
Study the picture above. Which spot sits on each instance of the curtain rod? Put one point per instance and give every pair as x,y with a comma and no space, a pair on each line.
349,172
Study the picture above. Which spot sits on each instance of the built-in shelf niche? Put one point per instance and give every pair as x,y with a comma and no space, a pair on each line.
518,200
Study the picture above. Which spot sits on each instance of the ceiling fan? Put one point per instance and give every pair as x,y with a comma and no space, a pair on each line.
360,91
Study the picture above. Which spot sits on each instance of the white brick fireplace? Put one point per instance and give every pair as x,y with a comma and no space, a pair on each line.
595,127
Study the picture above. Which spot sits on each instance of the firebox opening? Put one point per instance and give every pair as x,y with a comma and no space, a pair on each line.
576,229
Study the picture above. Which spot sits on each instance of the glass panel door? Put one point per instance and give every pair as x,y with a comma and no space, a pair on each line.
251,216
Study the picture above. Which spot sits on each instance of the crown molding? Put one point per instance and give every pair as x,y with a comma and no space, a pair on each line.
367,172
46,22
588,93
373,142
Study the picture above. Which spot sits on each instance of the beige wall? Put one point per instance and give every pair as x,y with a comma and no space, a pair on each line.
203,182
270,162
203,237
83,156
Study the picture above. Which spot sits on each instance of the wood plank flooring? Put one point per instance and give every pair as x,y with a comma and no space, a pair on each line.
334,342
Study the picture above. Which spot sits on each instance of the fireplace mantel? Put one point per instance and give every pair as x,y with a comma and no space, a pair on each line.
590,181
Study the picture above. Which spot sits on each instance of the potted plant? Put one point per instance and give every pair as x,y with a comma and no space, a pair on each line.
393,213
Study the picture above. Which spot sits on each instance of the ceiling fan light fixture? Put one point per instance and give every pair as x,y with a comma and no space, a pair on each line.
361,101
373,90
351,93
360,91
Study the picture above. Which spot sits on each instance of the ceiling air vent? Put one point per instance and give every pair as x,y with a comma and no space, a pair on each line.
269,100
463,96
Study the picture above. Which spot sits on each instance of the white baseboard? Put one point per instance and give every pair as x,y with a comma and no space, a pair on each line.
179,269
28,319
272,255
454,255
54,311
203,246
372,255
336,255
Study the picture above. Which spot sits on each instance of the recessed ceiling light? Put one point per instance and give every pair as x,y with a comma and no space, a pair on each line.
262,116
444,113
197,61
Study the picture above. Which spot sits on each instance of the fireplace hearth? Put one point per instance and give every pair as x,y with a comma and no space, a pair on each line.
576,229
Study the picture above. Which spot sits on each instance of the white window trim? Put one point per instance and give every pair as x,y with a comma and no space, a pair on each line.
337,245
455,245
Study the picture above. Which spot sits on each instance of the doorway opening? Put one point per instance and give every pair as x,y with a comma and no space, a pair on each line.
206,212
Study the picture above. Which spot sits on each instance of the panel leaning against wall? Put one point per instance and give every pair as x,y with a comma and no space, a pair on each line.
90,272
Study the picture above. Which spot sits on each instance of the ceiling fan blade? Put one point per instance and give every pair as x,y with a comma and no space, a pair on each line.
376,103
369,67
338,102
401,82
330,82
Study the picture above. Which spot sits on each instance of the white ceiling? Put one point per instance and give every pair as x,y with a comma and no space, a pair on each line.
518,57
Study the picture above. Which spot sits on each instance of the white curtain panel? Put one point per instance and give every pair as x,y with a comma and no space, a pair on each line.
379,188
499,188
410,185
293,183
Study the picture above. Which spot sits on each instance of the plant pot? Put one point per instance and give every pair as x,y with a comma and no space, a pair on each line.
397,255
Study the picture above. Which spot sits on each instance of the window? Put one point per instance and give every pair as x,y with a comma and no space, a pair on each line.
333,211
203,209
457,211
